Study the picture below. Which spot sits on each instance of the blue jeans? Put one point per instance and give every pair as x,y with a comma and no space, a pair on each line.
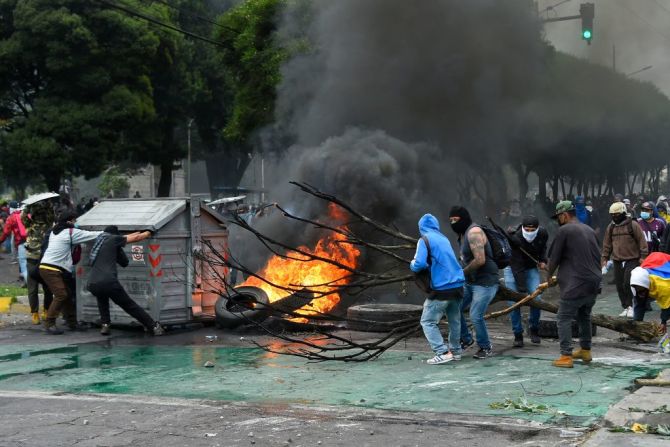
532,281
23,263
478,299
433,311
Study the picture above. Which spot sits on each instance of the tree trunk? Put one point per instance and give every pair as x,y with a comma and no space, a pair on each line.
53,182
165,182
572,186
542,186
640,330
522,180
554,189
563,188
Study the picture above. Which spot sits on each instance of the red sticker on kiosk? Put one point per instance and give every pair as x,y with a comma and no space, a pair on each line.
137,252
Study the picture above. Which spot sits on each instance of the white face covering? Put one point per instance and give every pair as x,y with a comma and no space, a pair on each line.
529,235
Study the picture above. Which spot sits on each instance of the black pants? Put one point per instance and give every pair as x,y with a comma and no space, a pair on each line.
640,309
622,279
34,280
114,291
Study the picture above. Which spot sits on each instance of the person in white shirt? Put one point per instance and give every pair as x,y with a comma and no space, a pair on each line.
56,268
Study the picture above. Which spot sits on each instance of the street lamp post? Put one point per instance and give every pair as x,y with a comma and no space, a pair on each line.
188,167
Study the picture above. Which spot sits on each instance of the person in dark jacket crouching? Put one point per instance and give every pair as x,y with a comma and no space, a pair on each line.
434,252
529,256
103,281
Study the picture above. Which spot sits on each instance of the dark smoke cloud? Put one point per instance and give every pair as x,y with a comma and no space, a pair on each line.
422,71
396,97
449,73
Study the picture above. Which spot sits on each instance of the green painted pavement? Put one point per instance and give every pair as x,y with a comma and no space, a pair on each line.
398,380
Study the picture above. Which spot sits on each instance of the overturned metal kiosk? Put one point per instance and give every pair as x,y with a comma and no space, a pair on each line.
164,276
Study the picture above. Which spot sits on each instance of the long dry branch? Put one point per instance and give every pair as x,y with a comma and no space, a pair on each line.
330,346
352,238
365,219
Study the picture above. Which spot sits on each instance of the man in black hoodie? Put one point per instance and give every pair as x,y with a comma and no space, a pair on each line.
103,281
529,256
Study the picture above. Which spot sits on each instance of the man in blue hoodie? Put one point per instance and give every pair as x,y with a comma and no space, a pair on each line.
583,214
434,252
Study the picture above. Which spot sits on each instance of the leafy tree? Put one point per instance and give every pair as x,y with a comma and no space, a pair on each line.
74,85
114,182
252,60
592,126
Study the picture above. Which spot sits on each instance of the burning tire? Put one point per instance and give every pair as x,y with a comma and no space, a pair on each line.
378,314
240,307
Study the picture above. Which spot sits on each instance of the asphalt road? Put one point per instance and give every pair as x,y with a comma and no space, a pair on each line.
35,417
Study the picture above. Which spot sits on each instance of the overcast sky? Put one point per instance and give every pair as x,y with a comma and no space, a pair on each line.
639,30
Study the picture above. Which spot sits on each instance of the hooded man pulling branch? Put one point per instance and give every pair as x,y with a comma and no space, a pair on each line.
434,252
481,278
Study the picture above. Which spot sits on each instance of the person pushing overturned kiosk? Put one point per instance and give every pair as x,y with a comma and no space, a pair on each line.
103,281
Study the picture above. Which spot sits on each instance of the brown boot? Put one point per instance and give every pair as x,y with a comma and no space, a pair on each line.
36,318
582,354
564,361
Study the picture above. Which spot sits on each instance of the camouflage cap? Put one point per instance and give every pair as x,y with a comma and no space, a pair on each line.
563,207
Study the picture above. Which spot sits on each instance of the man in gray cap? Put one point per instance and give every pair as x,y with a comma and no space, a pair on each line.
576,255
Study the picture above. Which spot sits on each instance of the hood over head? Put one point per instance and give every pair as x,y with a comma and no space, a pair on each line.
530,221
427,223
639,277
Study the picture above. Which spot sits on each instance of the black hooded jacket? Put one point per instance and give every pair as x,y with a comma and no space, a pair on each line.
537,249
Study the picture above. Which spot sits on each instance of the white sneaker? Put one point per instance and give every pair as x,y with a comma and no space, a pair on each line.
624,313
443,358
629,312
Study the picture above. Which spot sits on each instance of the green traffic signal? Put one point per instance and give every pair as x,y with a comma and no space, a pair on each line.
586,34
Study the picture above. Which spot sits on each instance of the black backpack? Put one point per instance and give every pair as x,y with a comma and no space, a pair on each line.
422,278
500,247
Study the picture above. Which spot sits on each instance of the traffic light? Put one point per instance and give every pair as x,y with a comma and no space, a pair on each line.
587,12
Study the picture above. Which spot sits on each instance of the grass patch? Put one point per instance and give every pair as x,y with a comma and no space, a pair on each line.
12,291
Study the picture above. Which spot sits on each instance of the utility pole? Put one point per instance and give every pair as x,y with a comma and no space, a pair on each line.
188,167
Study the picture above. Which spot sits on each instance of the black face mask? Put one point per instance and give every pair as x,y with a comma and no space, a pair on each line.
618,218
462,225
465,221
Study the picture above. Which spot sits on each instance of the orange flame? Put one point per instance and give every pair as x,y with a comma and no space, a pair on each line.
314,274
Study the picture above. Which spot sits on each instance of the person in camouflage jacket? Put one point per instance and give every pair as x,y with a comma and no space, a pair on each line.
38,219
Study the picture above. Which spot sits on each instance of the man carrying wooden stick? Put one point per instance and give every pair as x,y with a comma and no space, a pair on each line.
576,255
